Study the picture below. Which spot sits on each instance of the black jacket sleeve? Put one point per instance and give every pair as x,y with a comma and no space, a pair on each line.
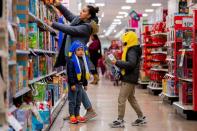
71,73
66,13
79,30
131,61
85,83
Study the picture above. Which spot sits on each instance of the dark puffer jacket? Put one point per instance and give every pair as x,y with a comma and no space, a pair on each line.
131,65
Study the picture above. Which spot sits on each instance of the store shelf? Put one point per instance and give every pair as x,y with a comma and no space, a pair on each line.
143,82
41,23
159,52
11,63
42,51
154,88
186,50
187,80
3,54
170,59
169,96
184,107
159,34
12,109
42,77
159,69
22,52
22,92
169,75
61,72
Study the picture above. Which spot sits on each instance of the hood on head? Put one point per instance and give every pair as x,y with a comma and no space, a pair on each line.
75,45
130,39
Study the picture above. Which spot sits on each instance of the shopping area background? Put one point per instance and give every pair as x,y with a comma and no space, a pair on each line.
32,93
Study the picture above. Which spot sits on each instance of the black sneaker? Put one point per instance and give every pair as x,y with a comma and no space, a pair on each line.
139,121
117,124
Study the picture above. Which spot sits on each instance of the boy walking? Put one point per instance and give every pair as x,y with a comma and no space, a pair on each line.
78,74
129,65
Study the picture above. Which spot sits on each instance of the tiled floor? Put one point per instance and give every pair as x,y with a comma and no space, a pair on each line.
161,116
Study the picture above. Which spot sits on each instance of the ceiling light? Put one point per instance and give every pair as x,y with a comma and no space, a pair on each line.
114,31
149,10
126,7
100,4
130,1
117,20
104,31
144,15
119,17
156,4
123,13
90,1
120,33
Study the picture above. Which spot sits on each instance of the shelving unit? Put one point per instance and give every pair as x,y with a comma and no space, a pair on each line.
187,76
27,55
157,57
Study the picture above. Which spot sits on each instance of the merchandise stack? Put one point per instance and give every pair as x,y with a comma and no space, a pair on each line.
158,57
35,91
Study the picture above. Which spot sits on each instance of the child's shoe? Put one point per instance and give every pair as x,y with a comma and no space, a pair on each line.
81,119
73,120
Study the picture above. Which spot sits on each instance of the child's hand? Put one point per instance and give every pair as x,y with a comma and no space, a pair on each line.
73,88
85,88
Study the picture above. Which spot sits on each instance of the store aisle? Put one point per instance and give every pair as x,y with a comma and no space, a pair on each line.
160,116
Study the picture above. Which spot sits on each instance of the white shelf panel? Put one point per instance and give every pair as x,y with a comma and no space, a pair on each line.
22,91
39,21
169,75
184,107
159,34
159,69
143,83
43,51
159,52
187,80
42,77
22,52
154,88
11,63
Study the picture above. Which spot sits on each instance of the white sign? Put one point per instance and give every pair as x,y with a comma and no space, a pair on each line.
188,22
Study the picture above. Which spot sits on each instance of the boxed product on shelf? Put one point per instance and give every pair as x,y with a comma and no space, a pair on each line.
35,69
20,76
33,35
39,92
42,65
185,93
41,40
21,44
33,6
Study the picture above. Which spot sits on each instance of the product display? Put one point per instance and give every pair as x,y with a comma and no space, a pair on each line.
33,98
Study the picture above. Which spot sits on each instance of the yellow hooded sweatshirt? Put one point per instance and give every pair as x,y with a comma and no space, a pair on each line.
129,40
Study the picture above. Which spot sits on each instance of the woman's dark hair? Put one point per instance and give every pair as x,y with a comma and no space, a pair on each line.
93,11
95,36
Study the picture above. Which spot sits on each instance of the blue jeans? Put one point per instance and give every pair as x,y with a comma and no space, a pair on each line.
85,100
75,98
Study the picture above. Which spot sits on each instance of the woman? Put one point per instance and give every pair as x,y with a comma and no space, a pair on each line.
95,54
81,28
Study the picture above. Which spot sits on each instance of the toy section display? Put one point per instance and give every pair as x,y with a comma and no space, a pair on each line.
32,92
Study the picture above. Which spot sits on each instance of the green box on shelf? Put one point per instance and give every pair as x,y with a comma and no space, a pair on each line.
39,92
33,35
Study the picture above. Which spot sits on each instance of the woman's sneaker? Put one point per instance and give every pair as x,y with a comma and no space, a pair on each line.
81,119
90,115
73,120
117,124
139,121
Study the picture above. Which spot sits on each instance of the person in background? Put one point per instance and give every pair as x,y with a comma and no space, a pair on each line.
95,55
129,65
80,28
78,74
